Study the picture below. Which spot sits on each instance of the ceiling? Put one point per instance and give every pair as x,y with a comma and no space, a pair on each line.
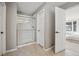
69,5
31,7
28,7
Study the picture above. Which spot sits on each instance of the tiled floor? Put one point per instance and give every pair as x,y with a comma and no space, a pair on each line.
72,49
30,50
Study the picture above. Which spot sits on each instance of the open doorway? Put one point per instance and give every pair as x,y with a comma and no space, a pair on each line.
67,31
72,30
25,28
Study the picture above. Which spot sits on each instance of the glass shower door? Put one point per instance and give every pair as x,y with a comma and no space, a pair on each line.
26,31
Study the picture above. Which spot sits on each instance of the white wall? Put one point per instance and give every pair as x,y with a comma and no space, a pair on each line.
49,25
73,14
11,12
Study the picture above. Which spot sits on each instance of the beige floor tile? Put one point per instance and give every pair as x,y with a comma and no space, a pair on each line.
72,49
30,50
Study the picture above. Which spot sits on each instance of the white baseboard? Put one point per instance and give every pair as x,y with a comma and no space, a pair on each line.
26,44
48,49
11,50
19,47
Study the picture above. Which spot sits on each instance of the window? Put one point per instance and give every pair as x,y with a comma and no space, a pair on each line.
68,26
71,26
74,26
